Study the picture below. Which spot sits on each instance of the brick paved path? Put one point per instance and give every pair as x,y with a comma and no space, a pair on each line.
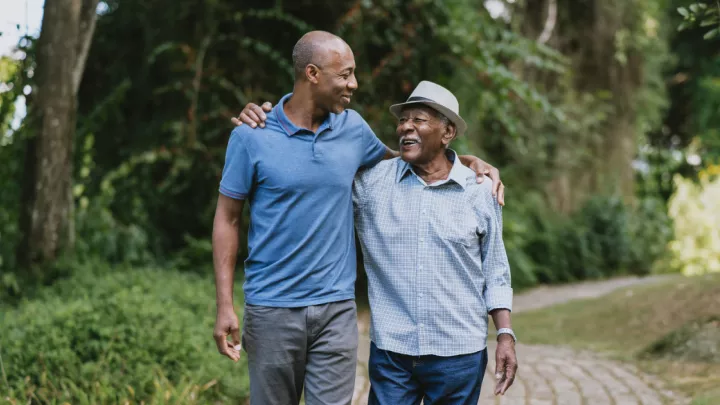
551,375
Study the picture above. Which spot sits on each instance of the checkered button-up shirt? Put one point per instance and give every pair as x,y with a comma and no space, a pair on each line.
434,256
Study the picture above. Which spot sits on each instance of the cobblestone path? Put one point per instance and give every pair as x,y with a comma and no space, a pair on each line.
550,375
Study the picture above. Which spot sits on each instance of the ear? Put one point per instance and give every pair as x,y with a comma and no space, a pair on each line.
449,135
311,73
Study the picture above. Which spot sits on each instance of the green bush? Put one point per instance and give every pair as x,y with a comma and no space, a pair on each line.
651,229
196,256
12,153
99,233
111,335
544,245
607,236
694,207
604,238
516,231
10,175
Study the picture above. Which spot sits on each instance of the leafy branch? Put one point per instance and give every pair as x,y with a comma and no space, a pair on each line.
703,15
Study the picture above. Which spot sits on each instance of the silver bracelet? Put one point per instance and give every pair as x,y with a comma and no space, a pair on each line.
506,331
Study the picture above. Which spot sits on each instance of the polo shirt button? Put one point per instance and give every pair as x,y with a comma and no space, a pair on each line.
421,267
421,325
421,295
422,239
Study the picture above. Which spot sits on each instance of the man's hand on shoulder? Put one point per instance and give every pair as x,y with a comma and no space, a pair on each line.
253,115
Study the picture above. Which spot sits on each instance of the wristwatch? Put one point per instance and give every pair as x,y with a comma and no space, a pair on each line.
506,331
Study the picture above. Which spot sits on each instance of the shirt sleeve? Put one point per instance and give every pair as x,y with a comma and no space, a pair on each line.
239,171
359,189
374,149
498,293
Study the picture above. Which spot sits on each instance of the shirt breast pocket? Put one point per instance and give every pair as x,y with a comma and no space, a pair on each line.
458,226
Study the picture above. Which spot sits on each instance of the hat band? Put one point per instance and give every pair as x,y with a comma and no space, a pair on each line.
417,98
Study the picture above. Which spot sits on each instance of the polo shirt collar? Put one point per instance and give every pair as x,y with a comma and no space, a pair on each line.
289,127
458,172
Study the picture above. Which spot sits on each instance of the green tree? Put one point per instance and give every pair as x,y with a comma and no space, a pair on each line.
160,119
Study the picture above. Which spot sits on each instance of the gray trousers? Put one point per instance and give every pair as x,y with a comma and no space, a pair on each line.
313,347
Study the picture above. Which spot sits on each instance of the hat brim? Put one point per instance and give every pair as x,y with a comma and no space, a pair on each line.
460,124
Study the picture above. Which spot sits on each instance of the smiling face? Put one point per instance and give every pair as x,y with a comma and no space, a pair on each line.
423,134
334,78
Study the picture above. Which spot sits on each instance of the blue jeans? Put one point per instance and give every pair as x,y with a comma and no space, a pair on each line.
398,379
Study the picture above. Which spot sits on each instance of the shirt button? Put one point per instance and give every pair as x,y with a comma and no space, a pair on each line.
421,295
422,239
421,325
421,267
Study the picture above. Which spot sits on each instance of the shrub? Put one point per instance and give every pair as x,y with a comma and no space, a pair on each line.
694,209
650,230
117,336
12,153
99,233
608,236
196,256
516,231
602,239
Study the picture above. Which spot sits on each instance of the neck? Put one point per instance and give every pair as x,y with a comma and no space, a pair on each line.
438,168
303,111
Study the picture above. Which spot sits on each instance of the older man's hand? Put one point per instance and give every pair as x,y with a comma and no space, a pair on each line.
505,364
253,115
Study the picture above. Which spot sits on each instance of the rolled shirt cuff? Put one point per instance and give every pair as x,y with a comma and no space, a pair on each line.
500,297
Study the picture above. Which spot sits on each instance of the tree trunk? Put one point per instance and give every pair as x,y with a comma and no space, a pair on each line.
586,33
64,41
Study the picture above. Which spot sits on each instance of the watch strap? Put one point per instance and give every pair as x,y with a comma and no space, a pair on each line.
506,331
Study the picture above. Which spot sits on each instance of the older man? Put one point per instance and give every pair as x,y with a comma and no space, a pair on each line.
436,264
300,329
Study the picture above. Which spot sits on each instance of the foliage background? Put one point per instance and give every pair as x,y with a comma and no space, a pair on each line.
588,128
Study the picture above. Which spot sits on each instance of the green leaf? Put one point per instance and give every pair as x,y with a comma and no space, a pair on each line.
694,8
683,12
712,33
683,26
708,22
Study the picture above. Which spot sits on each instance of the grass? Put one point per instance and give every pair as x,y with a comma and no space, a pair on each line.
626,322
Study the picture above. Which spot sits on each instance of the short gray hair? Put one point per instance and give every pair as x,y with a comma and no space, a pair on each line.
445,120
442,118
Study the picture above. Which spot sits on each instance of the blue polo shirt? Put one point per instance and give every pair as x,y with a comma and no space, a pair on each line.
299,186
